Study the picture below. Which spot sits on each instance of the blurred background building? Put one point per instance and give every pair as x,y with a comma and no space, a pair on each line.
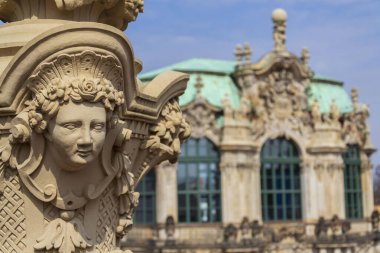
278,161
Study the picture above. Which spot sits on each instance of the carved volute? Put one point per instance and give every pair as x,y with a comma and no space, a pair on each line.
78,130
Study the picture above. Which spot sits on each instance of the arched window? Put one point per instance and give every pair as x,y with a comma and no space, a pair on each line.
280,181
352,183
198,179
145,213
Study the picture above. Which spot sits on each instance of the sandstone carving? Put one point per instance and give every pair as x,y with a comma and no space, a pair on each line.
201,116
82,131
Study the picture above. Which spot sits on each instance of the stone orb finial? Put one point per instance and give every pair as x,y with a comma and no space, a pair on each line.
279,15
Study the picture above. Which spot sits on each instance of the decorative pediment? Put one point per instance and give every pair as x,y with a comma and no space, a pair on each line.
280,61
202,115
273,90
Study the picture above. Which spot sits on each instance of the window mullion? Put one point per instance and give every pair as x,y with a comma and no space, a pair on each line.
275,194
282,167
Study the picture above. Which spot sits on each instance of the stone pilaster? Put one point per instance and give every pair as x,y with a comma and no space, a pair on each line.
310,192
367,185
330,185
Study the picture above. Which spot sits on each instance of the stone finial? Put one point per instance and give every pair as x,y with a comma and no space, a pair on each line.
245,230
305,56
335,224
170,228
354,98
247,52
315,111
334,112
230,233
375,220
228,112
279,17
198,85
238,53
321,228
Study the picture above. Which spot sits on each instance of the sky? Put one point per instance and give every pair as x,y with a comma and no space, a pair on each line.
343,37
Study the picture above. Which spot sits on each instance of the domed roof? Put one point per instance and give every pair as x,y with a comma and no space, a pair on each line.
216,76
217,80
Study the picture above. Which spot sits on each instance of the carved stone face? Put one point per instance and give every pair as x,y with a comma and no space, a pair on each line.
76,135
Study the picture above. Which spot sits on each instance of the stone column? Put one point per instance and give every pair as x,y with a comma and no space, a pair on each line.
254,191
333,180
237,170
310,192
166,197
166,192
329,185
240,187
230,190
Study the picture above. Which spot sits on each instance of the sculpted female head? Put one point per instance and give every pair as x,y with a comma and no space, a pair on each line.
73,98
72,113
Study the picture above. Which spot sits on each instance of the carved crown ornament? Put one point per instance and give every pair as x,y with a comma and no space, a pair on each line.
84,133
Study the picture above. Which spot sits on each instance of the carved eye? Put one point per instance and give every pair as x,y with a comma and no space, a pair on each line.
70,126
98,126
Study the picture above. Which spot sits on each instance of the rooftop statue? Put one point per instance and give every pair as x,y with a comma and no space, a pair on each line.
81,131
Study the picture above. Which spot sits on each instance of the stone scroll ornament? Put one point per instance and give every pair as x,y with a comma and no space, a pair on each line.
85,131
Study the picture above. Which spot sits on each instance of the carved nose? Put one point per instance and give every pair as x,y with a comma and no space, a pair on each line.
85,138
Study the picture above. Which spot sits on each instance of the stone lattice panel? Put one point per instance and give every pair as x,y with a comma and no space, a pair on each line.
12,219
107,221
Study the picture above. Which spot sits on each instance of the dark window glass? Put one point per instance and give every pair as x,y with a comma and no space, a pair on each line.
280,181
352,183
198,180
145,213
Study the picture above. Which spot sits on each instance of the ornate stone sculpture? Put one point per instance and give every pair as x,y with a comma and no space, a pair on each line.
83,134
279,17
201,116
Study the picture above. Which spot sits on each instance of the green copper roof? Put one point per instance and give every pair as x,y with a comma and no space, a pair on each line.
216,80
215,89
327,90
195,65
217,83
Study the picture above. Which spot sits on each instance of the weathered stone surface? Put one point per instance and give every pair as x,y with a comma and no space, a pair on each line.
80,131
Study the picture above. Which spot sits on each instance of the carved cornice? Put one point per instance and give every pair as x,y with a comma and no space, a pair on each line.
117,13
326,150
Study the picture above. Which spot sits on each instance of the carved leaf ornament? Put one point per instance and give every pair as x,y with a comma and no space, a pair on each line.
64,237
